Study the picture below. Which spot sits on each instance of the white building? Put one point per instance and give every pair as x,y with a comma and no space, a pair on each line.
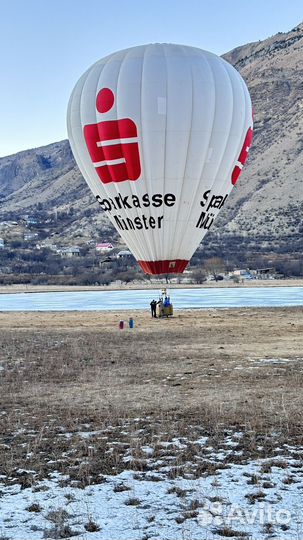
124,253
69,252
104,247
30,236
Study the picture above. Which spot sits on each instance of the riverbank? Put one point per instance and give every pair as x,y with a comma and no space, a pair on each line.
14,289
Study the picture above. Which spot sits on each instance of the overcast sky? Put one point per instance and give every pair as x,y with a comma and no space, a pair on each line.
45,45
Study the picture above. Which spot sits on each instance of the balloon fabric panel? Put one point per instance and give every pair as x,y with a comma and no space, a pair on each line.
160,133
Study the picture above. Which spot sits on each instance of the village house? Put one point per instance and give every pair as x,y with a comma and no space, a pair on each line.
73,251
241,274
124,253
30,236
104,247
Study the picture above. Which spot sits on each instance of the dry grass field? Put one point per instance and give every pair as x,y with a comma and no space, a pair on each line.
199,373
137,433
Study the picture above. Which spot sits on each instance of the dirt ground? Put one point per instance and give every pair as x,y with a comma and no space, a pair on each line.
205,371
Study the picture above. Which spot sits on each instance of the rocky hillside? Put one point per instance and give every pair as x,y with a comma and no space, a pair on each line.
267,202
269,197
48,178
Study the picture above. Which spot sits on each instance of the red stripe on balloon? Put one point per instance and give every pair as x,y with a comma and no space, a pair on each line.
242,157
164,267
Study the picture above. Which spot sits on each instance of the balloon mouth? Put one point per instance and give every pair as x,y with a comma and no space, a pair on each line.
176,266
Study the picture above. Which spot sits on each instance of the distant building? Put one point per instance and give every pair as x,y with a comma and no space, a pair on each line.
30,236
70,252
31,221
263,271
242,274
45,245
104,247
124,253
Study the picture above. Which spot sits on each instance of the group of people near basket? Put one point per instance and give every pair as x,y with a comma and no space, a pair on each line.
162,303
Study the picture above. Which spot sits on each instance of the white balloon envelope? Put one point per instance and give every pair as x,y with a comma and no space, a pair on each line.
160,133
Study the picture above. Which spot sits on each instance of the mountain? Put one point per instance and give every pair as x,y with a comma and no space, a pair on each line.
266,205
48,178
269,197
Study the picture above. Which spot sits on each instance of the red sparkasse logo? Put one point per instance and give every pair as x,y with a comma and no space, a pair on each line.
113,144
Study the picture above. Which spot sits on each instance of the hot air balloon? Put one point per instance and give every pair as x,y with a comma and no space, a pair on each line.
160,133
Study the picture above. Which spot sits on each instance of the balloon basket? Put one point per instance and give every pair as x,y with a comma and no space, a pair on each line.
165,311
165,307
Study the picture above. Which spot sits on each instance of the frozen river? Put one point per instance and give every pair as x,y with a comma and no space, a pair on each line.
138,299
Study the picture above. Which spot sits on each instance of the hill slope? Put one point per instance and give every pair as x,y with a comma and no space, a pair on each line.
269,197
268,200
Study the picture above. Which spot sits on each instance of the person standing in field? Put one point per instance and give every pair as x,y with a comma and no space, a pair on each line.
153,306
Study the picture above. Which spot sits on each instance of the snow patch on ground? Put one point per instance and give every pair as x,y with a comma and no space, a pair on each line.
257,499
